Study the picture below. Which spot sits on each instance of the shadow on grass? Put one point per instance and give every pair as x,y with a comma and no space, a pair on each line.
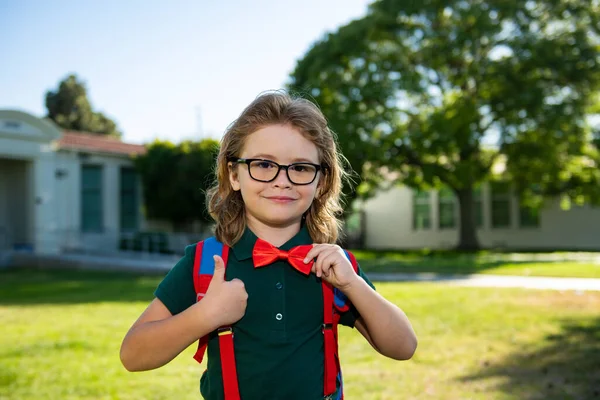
23,286
566,367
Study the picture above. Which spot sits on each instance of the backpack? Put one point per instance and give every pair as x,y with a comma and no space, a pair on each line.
334,303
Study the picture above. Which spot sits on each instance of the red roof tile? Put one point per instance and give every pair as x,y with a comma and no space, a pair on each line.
97,143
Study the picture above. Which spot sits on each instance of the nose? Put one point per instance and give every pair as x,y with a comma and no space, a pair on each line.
281,180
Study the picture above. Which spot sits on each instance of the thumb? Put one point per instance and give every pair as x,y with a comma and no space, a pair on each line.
219,272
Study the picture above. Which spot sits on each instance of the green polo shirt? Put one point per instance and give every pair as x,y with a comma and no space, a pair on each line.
278,343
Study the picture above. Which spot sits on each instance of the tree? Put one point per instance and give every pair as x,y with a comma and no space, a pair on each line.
434,93
175,178
70,108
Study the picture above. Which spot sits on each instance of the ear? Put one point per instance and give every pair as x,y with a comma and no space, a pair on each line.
233,177
321,181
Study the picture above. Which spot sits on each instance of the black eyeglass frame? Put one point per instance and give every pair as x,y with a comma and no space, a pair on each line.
247,161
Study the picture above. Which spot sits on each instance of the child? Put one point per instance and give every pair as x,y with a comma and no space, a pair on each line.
267,313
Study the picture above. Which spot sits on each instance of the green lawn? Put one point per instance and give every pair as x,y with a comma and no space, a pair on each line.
61,332
476,263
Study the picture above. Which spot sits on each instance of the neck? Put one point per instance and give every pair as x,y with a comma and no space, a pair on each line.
276,235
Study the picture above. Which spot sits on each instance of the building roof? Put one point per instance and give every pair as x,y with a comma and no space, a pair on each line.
96,143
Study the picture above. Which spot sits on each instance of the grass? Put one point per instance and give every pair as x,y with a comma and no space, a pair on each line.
61,332
548,264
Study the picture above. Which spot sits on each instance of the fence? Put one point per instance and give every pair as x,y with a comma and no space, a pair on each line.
134,244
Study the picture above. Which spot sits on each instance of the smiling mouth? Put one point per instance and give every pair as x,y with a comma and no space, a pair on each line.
281,199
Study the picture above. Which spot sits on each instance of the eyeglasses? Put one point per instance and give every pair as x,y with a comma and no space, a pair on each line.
261,170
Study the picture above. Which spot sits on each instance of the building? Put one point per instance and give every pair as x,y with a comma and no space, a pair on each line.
402,218
62,190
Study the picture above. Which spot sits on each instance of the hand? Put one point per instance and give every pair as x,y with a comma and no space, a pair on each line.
227,299
332,265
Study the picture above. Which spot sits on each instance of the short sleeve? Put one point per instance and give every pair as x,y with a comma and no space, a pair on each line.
176,290
349,317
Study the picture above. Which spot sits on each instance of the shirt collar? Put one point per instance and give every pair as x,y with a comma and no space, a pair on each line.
243,248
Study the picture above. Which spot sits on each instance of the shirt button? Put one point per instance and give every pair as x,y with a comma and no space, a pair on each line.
278,317
279,285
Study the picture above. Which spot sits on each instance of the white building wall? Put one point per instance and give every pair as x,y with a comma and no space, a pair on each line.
26,138
51,179
22,149
46,205
389,225
69,189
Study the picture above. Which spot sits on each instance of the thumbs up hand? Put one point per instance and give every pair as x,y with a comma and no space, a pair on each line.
227,300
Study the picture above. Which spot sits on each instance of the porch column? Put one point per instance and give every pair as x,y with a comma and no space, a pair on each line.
45,206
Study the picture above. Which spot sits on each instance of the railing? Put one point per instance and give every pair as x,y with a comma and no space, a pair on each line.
121,244
126,244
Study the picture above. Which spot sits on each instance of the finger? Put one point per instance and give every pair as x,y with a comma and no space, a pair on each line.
219,272
238,282
315,251
328,262
319,261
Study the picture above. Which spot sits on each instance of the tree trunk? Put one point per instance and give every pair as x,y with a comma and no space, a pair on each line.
467,230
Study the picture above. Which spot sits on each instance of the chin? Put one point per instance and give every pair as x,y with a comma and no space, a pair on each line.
275,220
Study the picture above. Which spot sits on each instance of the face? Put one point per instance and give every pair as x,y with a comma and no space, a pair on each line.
278,203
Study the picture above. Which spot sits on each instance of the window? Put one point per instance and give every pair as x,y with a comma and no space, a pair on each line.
447,208
478,205
129,200
500,205
91,198
12,124
421,210
529,217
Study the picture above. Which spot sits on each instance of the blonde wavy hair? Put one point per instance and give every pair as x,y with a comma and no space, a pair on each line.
226,206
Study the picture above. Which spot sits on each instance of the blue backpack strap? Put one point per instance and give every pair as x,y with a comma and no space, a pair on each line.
340,300
204,268
204,264
212,247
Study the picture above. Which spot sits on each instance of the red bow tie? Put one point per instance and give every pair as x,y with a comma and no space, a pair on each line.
265,253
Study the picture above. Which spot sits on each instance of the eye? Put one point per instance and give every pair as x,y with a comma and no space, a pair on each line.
299,168
303,167
264,164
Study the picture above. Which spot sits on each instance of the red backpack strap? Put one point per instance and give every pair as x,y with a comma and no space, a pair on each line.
203,272
199,287
334,303
330,343
228,366
204,267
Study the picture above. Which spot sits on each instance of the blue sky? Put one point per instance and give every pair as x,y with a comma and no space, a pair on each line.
173,72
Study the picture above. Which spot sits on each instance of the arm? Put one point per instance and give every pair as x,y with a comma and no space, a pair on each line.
157,337
382,323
